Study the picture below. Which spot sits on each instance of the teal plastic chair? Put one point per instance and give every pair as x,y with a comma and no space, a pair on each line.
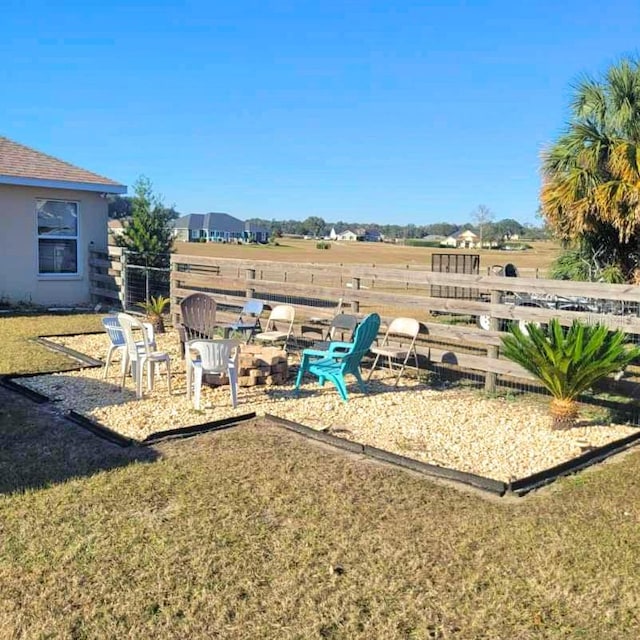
341,358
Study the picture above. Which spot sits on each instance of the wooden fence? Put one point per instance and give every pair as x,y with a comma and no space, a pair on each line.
314,290
106,276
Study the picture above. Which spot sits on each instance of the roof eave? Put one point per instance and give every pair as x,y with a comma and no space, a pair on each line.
63,184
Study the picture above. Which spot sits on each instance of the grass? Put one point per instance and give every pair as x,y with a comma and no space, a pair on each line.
20,354
257,533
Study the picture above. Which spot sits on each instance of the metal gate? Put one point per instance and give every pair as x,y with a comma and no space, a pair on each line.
468,263
140,282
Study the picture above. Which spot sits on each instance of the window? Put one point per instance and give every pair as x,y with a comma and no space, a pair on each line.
57,236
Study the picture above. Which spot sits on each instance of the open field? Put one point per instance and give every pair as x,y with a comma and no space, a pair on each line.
256,533
294,250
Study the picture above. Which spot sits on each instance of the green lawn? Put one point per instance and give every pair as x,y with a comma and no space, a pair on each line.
257,533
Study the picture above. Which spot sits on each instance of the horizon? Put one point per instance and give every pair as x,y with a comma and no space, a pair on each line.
329,223
367,112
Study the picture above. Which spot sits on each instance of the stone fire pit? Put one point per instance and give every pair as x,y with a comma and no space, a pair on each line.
258,365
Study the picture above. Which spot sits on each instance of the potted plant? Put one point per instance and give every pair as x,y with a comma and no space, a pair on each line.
568,362
154,308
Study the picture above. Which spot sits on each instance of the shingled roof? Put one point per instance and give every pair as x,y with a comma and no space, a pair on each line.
22,165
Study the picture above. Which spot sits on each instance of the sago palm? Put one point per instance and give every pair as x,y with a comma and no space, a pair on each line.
568,361
154,308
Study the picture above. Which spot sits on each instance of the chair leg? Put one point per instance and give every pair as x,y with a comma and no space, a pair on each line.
189,366
403,366
361,383
124,362
139,375
400,372
299,377
233,385
341,387
112,348
125,368
168,365
197,384
151,374
375,363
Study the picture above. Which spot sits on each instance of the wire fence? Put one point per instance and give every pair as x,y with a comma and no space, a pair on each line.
141,282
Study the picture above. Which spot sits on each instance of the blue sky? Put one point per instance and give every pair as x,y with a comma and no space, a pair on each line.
378,111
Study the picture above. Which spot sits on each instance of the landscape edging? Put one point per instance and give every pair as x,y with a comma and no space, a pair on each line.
598,454
87,362
490,485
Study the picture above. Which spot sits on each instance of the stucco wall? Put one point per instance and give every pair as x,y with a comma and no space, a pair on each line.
19,279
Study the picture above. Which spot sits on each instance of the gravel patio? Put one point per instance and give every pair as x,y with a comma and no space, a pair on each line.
497,437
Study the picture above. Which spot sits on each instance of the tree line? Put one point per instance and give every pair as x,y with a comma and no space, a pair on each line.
315,226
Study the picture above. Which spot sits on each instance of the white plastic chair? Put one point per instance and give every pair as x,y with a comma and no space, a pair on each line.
116,337
213,356
139,353
407,328
283,313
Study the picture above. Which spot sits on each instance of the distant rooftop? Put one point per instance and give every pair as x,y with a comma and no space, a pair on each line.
22,165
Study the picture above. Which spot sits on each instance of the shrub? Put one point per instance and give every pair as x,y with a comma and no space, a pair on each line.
323,245
154,308
568,362
417,242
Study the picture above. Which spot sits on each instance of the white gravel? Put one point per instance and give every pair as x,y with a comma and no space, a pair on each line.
459,428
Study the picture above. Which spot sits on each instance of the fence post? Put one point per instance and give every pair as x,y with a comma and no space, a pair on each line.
123,286
491,378
91,271
173,305
355,304
146,283
250,274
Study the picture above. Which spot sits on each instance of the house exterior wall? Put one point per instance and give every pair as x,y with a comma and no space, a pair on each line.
19,279
181,234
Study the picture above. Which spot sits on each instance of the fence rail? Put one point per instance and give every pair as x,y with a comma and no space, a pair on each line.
314,289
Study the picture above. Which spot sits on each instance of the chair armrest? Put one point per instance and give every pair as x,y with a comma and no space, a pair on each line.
337,346
315,352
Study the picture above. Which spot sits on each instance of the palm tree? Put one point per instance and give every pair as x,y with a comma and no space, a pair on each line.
591,175
568,362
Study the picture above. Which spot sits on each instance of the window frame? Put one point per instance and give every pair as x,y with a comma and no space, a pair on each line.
78,273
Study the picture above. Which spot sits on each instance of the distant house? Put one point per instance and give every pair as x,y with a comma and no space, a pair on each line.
466,239
51,213
432,237
217,227
116,228
348,236
370,235
332,234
